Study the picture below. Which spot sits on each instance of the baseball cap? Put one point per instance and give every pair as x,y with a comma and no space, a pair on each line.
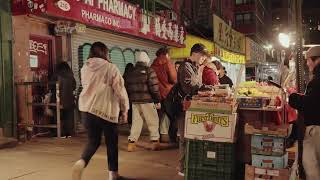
313,52
200,48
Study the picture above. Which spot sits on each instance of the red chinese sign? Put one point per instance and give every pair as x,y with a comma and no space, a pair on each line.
116,15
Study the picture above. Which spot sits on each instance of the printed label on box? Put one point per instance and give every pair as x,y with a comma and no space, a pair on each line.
211,155
210,126
273,172
260,171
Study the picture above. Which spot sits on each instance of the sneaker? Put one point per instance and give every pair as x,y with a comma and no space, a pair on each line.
77,169
113,175
181,174
155,145
131,146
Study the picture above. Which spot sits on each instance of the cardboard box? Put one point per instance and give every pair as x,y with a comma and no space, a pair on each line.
250,102
267,145
274,162
280,131
255,173
210,126
212,107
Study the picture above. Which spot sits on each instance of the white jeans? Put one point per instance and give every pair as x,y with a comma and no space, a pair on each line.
164,124
311,153
148,113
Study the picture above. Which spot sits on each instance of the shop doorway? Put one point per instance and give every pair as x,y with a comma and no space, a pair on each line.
41,63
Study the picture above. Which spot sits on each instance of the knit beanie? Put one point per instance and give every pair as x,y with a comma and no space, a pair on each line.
142,56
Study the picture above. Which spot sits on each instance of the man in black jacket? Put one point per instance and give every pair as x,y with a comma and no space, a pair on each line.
309,104
143,89
189,84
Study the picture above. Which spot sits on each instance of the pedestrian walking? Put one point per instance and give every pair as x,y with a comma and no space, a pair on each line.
143,90
167,77
188,85
101,102
129,68
309,104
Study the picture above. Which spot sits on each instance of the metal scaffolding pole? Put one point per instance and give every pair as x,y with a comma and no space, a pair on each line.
300,85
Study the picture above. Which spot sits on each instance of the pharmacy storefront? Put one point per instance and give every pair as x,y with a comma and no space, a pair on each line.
50,31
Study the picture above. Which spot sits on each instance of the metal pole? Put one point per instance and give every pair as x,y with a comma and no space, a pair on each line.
299,60
300,86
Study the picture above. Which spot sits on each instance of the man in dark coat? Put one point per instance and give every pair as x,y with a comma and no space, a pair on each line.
309,104
143,89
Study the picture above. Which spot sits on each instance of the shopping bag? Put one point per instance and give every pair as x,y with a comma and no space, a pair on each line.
106,104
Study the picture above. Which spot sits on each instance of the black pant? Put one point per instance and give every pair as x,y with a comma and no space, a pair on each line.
67,121
173,125
96,126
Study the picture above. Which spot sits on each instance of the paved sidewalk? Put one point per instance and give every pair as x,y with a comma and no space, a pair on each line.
52,159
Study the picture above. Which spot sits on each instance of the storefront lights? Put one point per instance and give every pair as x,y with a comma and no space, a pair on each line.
284,40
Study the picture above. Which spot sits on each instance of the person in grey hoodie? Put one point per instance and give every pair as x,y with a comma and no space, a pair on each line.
188,85
99,72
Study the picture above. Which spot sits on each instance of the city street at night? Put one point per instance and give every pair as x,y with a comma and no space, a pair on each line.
52,159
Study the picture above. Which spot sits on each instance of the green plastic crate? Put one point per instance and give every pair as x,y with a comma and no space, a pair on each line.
220,157
206,173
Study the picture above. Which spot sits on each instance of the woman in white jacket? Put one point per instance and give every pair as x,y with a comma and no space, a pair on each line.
101,101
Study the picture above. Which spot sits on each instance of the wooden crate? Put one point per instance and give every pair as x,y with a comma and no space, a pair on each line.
254,173
280,132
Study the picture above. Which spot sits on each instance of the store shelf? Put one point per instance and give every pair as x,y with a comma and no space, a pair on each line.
29,114
42,104
279,132
262,109
39,125
35,83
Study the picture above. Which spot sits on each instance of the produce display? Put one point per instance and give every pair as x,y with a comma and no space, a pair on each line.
252,94
256,89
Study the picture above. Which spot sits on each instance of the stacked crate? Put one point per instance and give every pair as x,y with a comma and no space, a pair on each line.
210,133
269,156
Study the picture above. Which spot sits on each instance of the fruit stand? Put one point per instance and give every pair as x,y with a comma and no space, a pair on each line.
262,131
210,130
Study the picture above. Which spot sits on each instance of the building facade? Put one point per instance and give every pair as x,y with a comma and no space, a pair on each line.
252,17
48,32
6,82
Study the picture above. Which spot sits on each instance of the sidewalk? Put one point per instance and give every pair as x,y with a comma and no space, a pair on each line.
52,159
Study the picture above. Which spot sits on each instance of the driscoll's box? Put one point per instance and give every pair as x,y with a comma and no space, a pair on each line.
274,162
210,126
267,145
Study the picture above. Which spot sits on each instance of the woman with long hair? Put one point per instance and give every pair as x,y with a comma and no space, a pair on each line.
102,102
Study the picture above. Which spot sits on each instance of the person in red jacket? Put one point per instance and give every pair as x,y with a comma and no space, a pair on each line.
167,77
209,73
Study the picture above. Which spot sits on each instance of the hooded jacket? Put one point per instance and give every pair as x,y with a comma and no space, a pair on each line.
93,75
142,85
309,103
209,76
166,74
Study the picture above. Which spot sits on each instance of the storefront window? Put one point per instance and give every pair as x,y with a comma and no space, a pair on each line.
245,18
